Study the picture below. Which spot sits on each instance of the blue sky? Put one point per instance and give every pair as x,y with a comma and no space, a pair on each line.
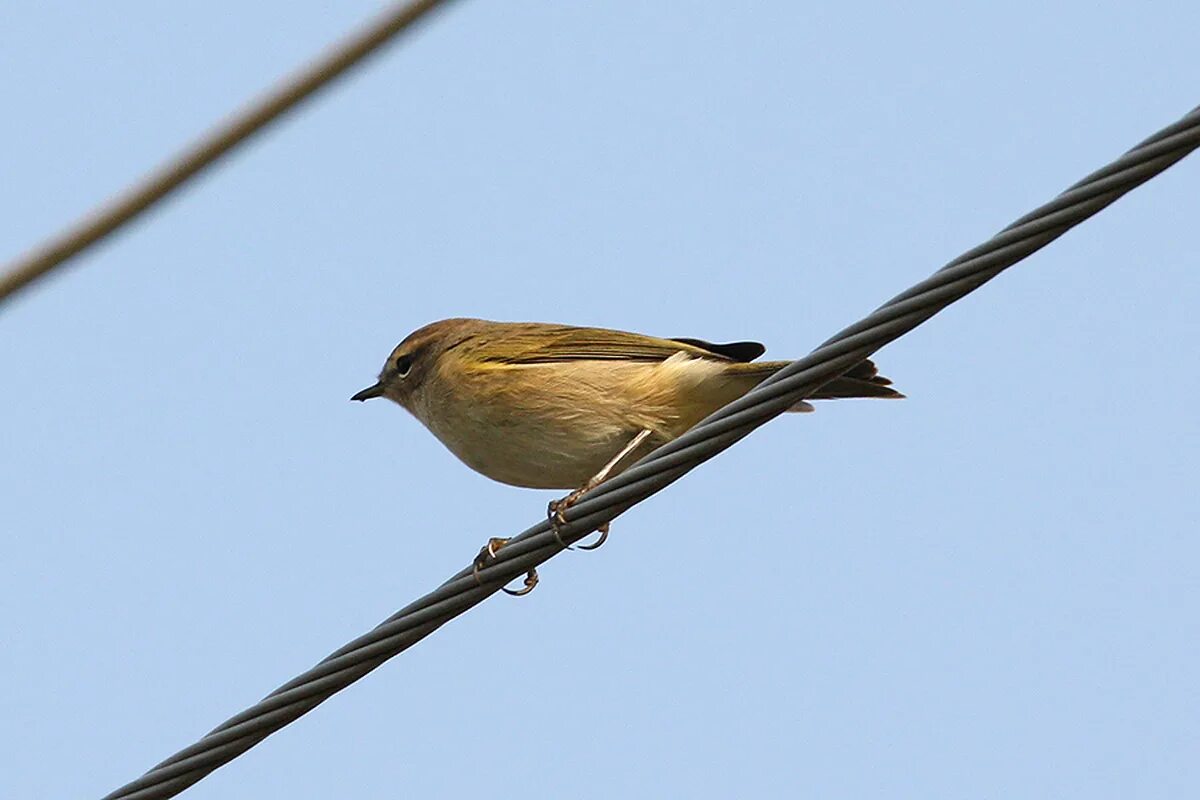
987,590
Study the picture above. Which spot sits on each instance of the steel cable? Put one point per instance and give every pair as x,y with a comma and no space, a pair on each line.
671,461
135,200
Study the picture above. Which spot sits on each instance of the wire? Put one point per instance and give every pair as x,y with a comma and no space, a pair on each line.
671,461
139,198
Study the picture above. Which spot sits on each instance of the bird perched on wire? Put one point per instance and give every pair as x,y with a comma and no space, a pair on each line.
550,406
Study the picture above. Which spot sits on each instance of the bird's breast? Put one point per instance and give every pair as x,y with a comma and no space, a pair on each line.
554,426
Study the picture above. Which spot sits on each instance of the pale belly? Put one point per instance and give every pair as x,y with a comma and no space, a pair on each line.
535,452
556,426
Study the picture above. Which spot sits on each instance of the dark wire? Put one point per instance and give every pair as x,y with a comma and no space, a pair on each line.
139,198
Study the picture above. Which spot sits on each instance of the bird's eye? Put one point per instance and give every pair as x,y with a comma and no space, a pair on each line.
403,365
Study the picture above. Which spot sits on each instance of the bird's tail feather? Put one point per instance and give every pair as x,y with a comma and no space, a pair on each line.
862,380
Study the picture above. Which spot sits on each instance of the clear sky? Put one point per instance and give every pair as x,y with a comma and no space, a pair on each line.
988,590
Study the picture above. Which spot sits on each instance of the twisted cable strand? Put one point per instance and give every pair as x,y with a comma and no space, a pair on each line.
673,460
122,208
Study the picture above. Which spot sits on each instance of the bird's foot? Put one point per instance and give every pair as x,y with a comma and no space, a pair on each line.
488,554
554,512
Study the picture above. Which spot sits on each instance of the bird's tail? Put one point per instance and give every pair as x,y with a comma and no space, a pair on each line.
862,380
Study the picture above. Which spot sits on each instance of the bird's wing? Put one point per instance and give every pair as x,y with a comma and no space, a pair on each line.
734,351
546,344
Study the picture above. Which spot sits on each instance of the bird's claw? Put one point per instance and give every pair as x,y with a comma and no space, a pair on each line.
487,554
603,531
554,513
531,580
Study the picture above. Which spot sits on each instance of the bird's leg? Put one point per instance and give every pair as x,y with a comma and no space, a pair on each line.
488,554
557,507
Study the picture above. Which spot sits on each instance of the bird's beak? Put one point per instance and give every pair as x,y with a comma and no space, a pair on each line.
371,391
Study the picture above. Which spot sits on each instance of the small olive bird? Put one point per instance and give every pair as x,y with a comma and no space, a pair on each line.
550,406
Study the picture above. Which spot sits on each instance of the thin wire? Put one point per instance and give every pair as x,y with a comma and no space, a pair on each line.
670,462
122,208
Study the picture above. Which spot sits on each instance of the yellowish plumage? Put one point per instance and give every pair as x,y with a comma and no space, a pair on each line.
547,406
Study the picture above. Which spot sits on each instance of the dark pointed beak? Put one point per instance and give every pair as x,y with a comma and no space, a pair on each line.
369,392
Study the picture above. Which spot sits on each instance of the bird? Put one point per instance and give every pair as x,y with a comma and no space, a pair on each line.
552,406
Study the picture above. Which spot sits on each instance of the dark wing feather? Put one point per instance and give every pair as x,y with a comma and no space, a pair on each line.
735,351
